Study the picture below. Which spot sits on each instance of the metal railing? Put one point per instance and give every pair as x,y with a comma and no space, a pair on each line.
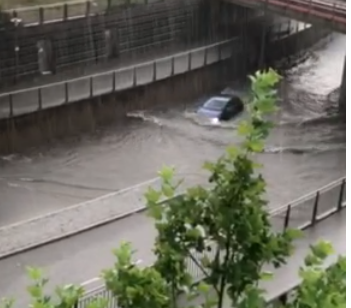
331,13
55,94
63,11
301,214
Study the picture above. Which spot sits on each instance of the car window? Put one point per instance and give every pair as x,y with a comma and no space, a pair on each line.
216,103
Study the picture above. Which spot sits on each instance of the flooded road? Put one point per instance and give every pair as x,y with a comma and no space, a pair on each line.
305,151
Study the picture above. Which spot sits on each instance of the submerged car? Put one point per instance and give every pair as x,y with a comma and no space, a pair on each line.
221,107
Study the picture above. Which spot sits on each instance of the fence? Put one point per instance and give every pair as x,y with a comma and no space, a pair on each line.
55,94
301,214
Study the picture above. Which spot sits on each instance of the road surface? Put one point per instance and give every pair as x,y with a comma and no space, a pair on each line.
82,257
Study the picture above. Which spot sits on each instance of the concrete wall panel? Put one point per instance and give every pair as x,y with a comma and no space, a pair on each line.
53,95
124,78
197,58
103,83
212,55
25,102
79,89
163,68
145,73
181,63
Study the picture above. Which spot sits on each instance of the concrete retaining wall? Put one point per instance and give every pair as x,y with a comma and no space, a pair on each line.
73,44
85,115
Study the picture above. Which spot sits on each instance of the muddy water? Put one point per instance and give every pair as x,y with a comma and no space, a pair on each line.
306,149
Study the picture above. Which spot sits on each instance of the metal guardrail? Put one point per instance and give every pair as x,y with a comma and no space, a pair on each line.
55,94
301,214
332,13
64,11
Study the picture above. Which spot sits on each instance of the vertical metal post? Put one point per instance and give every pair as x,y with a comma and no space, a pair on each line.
287,217
341,195
11,105
91,87
172,66
315,209
87,8
66,92
134,76
154,71
189,61
40,99
283,299
113,81
206,56
41,15
65,12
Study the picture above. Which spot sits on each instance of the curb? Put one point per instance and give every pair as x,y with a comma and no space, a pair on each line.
58,238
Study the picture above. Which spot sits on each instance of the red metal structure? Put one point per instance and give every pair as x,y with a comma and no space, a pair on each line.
330,13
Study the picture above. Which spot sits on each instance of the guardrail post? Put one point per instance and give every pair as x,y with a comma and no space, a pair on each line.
189,61
172,66
341,194
66,93
154,71
134,76
65,11
113,81
11,105
91,87
87,8
41,15
287,217
283,299
315,208
206,56
40,99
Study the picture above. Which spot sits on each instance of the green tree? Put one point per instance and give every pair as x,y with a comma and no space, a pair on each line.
227,224
321,287
66,296
133,286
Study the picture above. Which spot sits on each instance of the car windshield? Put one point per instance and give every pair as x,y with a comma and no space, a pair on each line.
216,103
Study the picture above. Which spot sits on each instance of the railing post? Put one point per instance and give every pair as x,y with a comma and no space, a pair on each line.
40,99
66,93
11,105
172,66
91,87
287,217
113,81
315,208
206,56
341,194
189,61
134,76
41,15
283,299
65,12
154,72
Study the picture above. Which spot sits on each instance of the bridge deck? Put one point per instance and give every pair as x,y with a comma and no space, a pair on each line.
70,261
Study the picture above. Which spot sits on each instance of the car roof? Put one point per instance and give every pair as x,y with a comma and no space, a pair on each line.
234,93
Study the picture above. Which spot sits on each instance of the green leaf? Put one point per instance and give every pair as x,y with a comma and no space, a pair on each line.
152,195
34,273
266,275
245,128
166,173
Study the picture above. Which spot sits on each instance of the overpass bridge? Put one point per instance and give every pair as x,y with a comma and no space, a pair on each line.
331,13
